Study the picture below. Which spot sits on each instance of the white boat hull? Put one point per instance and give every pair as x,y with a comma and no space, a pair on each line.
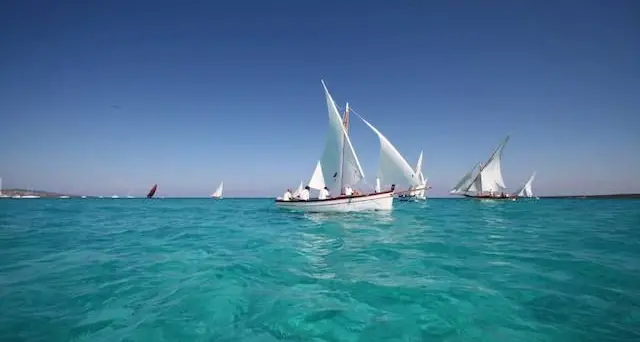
369,202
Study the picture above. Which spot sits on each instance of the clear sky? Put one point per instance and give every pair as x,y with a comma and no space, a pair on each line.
103,97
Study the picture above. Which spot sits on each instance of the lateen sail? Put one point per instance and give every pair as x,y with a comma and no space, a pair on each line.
152,191
491,172
418,170
218,192
488,179
393,168
298,190
526,191
340,165
465,182
317,179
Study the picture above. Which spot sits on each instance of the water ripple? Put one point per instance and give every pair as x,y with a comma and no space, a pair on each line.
242,270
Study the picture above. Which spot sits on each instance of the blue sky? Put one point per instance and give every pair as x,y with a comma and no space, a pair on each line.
113,96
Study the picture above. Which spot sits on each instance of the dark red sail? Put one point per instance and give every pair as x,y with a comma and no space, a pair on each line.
152,191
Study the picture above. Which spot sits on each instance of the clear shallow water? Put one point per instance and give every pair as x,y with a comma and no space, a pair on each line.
242,270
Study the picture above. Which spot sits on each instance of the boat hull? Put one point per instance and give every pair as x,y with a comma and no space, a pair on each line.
369,202
512,198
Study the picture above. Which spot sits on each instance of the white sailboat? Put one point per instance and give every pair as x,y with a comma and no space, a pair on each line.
1,194
30,194
339,168
218,193
485,181
526,191
418,192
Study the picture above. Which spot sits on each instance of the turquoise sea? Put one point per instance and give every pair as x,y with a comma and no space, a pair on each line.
243,270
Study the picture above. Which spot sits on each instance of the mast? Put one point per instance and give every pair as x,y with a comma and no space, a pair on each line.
345,123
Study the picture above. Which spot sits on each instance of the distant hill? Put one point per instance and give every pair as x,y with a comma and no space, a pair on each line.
23,192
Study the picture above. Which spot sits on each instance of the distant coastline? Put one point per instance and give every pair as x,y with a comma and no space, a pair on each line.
42,194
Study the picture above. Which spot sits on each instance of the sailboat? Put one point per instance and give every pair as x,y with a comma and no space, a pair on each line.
218,193
339,168
417,192
526,191
485,181
30,194
152,191
1,194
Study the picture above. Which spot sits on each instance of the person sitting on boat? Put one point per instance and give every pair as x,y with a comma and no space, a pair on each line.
393,187
356,192
348,191
324,193
304,194
287,195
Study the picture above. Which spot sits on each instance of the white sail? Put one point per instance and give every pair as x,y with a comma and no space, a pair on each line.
298,190
317,179
218,192
340,165
491,172
488,179
418,170
464,183
394,169
526,191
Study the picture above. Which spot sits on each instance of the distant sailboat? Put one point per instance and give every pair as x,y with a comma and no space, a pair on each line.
218,193
1,194
526,191
30,194
487,182
417,192
152,191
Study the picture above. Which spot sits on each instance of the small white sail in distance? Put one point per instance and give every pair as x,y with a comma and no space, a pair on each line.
393,168
218,192
526,191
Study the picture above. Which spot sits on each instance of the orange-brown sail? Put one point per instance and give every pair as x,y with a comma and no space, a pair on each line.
152,191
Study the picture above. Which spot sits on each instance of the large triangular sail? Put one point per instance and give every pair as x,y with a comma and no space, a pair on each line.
393,168
526,190
491,172
340,164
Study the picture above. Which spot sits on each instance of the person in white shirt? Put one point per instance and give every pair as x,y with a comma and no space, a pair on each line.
324,193
348,191
304,194
287,195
